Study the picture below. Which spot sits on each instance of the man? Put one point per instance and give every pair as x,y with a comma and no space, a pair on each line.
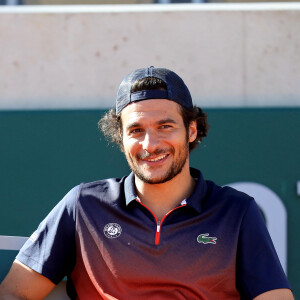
162,232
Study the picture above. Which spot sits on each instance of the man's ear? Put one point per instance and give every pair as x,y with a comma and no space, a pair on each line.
192,131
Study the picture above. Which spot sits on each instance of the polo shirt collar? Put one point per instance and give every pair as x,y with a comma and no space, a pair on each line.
195,200
129,189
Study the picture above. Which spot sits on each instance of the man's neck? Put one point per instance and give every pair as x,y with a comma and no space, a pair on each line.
162,198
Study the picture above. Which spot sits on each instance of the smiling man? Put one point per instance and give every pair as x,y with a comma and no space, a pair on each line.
162,232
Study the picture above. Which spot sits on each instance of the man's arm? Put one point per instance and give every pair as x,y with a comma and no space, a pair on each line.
278,294
23,283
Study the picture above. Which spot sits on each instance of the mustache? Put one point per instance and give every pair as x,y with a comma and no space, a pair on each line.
146,154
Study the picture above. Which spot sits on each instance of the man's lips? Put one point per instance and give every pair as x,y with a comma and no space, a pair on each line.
155,158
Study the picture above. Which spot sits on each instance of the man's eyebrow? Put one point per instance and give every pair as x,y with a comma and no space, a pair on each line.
160,122
133,125
168,120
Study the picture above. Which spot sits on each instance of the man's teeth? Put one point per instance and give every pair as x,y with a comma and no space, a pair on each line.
157,158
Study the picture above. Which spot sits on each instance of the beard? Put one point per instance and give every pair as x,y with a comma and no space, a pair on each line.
176,167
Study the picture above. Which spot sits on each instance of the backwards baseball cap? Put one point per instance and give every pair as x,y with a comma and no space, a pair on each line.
176,89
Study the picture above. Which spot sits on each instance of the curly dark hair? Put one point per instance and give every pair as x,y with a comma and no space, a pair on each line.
111,124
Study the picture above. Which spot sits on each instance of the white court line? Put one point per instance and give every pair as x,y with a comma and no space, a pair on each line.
125,8
12,242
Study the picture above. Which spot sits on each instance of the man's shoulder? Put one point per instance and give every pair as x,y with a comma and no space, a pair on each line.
110,189
103,183
215,195
228,195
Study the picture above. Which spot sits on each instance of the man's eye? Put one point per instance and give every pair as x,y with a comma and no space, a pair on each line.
136,130
165,126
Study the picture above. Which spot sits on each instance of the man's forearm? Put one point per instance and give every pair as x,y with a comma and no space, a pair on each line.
22,283
8,296
279,294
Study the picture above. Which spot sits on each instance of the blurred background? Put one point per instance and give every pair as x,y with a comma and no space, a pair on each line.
88,2
60,68
80,2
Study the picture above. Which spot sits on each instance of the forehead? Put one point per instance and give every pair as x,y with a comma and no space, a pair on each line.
151,110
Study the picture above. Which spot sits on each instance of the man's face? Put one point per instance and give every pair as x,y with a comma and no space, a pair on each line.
155,140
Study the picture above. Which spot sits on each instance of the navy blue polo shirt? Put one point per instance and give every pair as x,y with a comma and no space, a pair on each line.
214,245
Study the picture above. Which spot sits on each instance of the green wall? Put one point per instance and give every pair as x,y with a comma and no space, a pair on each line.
46,153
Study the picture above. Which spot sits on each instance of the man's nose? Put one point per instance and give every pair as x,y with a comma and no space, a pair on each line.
151,141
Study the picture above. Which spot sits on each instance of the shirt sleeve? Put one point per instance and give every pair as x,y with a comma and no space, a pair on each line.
50,250
258,266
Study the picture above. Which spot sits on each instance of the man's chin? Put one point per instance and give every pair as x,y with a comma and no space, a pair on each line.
148,177
155,179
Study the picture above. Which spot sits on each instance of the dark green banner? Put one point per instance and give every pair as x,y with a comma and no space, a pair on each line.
46,153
